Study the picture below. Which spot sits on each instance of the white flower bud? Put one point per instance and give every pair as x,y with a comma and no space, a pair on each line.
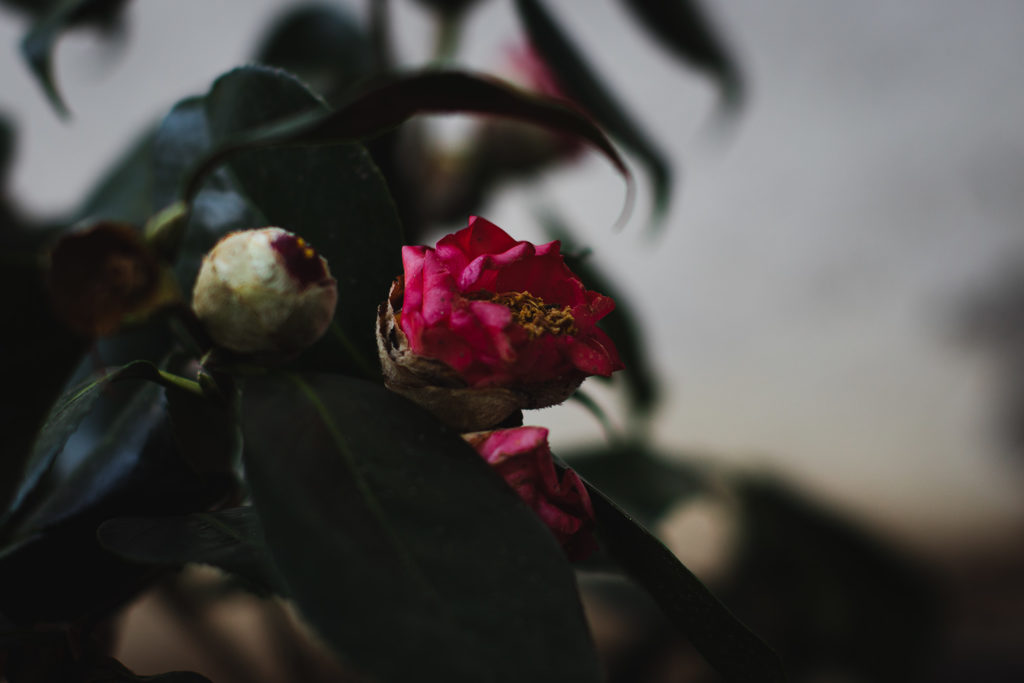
264,291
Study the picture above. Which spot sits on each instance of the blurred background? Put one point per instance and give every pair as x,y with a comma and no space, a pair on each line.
834,306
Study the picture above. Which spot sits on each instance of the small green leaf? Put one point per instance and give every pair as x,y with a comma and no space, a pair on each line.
229,539
684,28
584,87
402,547
733,650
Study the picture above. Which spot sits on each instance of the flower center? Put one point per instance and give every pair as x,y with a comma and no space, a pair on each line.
531,313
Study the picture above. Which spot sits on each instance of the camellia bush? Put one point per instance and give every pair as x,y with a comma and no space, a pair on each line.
254,347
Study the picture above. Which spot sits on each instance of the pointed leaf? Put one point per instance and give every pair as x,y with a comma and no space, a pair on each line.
395,102
684,28
229,539
20,477
722,639
409,554
584,87
37,47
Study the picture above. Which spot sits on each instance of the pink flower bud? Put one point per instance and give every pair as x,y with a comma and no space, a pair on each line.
523,458
489,325
264,291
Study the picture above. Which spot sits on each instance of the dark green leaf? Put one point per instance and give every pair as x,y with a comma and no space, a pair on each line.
726,643
621,325
57,571
37,47
401,546
331,195
395,102
683,27
229,539
583,86
19,477
130,463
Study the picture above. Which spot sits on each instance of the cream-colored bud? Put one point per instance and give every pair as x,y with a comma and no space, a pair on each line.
264,291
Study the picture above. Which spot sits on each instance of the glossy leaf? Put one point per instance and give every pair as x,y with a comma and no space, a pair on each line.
722,639
684,28
20,477
130,465
331,195
229,539
393,103
408,554
582,85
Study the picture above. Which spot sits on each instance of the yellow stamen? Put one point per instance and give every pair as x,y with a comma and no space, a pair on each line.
308,252
531,313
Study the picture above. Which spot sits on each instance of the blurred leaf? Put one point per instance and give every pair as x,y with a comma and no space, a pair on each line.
448,6
331,195
584,88
683,27
825,592
725,643
37,47
644,482
427,565
324,45
19,477
125,192
393,103
621,325
229,539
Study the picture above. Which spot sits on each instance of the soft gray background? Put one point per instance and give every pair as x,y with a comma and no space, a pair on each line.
804,303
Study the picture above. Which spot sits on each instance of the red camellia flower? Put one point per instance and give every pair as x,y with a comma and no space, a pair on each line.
523,458
503,312
489,325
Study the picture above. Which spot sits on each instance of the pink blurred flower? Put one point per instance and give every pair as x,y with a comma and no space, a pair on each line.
523,458
501,312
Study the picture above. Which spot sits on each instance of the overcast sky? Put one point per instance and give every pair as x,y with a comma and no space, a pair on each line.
804,299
